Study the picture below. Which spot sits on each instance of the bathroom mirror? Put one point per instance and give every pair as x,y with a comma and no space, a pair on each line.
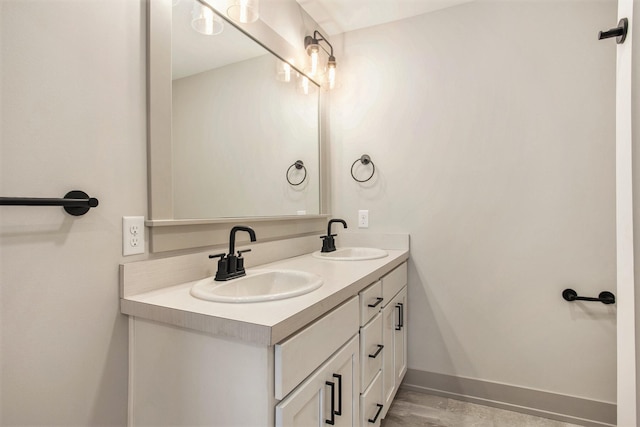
228,120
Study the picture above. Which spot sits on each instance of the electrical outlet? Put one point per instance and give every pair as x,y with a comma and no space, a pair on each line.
363,219
132,235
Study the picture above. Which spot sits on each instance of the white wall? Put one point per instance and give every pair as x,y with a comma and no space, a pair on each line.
73,117
491,125
236,130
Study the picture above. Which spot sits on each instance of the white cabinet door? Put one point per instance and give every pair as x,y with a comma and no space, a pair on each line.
400,337
394,339
328,396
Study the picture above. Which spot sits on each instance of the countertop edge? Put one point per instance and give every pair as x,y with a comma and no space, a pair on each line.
218,326
249,332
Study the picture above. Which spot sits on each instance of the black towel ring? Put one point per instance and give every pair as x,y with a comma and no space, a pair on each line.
365,160
299,164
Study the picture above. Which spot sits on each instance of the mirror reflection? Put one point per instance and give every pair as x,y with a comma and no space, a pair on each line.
241,118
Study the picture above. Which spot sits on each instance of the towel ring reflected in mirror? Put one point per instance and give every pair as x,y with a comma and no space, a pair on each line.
365,160
299,164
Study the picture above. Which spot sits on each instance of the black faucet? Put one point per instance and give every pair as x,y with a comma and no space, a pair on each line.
328,242
231,266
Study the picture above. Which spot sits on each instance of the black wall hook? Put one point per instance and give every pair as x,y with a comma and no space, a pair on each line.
604,297
620,32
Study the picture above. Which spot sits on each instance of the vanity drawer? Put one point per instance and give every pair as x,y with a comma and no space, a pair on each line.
370,351
393,282
302,353
371,296
371,403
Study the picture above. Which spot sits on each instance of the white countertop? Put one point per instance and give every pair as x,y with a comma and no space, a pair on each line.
264,323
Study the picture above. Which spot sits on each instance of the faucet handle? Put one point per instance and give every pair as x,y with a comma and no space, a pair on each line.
243,251
222,255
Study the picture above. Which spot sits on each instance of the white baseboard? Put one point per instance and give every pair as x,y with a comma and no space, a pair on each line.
555,406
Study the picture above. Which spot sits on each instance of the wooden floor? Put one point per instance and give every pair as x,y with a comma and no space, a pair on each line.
411,409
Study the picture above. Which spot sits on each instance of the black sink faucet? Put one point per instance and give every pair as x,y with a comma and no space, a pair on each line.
328,242
231,266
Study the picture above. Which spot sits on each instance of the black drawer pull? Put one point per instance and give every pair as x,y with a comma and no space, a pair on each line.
374,355
339,377
400,308
374,419
332,420
377,303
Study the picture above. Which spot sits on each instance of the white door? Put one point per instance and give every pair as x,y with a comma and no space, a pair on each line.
626,335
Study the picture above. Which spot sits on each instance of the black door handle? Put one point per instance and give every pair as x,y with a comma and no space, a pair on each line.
400,308
332,420
374,355
374,419
339,377
620,32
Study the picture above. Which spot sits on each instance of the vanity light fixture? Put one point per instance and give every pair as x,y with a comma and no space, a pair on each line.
204,20
313,46
244,11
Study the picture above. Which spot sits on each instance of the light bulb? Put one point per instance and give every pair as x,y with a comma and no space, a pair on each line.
314,61
331,66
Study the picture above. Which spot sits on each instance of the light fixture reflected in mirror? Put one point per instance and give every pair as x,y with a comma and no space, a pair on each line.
204,21
312,46
283,71
244,11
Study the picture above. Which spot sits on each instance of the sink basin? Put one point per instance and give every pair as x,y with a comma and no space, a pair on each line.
258,285
351,254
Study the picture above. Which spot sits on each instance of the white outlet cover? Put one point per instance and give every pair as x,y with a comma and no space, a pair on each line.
132,235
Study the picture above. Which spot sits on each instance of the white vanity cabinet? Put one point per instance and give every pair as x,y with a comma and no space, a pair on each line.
383,344
193,362
181,377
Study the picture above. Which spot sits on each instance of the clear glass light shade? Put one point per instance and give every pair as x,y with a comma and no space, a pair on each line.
244,11
304,85
312,50
204,21
331,73
284,71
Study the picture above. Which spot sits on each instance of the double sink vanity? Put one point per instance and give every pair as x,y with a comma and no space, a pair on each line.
305,338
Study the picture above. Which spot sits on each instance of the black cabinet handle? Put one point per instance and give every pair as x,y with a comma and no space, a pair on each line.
332,420
374,419
400,308
374,355
377,303
339,377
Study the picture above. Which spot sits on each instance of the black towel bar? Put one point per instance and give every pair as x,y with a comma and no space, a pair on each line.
75,202
605,297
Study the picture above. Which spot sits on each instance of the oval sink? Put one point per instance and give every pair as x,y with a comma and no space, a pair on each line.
258,285
351,254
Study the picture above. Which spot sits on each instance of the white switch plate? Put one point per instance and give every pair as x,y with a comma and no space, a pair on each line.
132,235
363,219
